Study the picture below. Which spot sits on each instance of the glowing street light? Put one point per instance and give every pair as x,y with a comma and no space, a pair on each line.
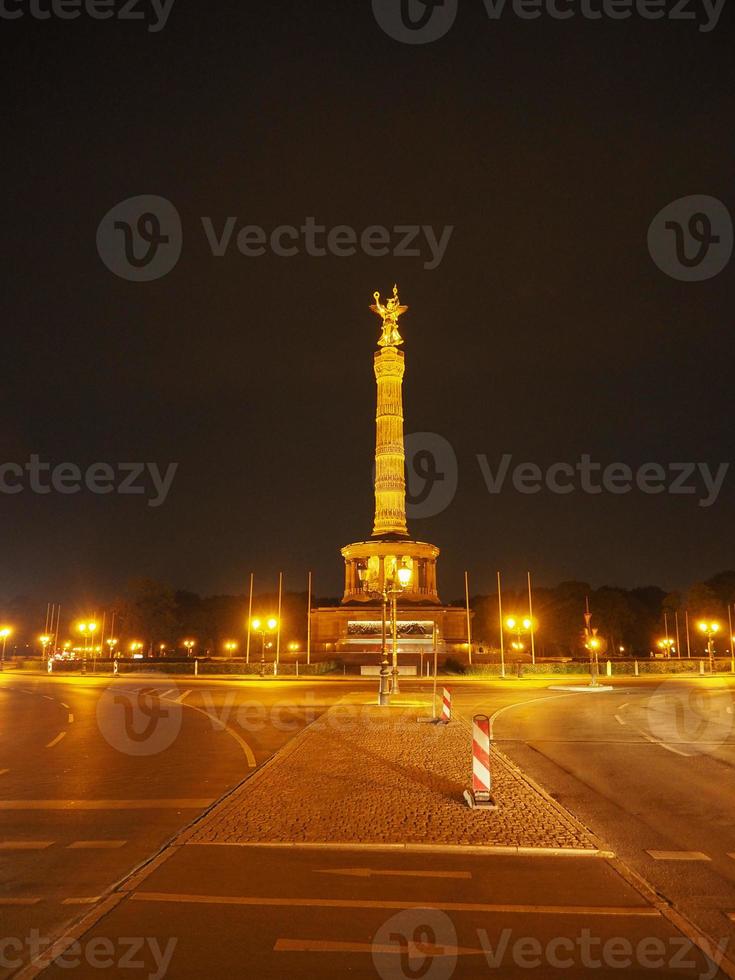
135,647
667,646
257,625
230,647
521,626
189,644
710,628
5,632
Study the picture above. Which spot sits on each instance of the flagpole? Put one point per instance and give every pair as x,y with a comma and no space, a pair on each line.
530,616
250,616
308,625
500,621
278,634
469,622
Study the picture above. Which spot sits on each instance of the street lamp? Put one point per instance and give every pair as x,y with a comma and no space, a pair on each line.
710,629
264,627
44,641
393,584
230,647
87,629
521,627
135,647
5,632
593,644
667,646
189,644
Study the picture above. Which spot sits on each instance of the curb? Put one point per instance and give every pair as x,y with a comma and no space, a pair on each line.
459,849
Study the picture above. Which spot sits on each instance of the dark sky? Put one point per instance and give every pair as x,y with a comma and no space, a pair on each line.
547,331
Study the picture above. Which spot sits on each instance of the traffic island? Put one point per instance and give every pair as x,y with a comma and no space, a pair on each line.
364,775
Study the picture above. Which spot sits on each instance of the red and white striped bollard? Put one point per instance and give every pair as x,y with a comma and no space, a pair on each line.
480,795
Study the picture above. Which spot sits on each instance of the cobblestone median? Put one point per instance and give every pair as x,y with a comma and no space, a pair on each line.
362,774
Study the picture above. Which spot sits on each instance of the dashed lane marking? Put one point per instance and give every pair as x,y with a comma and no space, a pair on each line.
96,845
678,856
370,872
337,903
56,741
81,901
71,718
19,901
25,845
620,720
3,772
412,949
182,697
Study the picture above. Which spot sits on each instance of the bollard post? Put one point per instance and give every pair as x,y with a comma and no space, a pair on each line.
637,669
609,669
479,796
115,668
196,668
701,666
446,706
50,665
297,666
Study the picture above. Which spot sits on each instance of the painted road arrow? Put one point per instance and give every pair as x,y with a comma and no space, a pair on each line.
370,872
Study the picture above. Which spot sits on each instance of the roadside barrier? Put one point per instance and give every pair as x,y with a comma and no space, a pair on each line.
480,796
446,705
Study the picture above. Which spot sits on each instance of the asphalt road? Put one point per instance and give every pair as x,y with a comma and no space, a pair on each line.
96,776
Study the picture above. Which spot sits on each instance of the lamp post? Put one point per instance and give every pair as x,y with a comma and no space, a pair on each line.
593,645
87,629
44,641
189,644
520,627
667,646
387,591
230,647
710,630
264,627
5,632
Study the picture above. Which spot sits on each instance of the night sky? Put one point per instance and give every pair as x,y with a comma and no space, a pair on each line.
547,331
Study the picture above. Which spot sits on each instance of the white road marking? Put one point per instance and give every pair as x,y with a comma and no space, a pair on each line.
81,901
4,771
64,705
182,697
369,872
19,901
25,845
620,720
48,698
71,718
663,745
678,856
56,741
96,845
411,950
171,690
337,903
623,706
169,804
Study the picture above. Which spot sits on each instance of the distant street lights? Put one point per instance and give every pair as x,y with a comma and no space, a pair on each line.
667,646
189,644
87,629
265,628
230,647
5,632
44,641
135,648
520,627
710,630
593,644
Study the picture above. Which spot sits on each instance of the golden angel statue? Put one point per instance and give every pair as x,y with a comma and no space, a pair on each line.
389,313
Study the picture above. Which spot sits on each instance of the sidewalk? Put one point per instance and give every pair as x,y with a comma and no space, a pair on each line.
366,775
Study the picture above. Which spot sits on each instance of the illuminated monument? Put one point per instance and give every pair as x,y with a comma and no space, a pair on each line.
371,563
390,556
